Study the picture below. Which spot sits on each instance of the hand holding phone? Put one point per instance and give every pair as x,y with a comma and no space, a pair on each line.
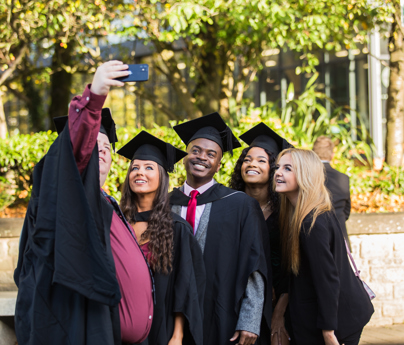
105,76
137,72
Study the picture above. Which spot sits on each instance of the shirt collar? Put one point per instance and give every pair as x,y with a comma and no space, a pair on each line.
188,189
325,161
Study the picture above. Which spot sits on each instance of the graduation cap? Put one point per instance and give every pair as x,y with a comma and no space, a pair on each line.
145,146
210,127
107,125
263,136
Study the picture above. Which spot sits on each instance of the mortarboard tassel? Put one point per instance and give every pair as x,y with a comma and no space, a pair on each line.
229,139
112,136
171,157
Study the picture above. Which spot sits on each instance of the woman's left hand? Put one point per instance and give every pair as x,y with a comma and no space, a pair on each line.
278,327
330,338
278,319
175,341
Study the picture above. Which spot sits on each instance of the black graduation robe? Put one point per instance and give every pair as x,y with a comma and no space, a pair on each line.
180,291
337,184
68,292
233,251
326,294
280,278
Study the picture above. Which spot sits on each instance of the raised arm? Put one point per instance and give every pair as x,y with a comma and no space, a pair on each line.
85,110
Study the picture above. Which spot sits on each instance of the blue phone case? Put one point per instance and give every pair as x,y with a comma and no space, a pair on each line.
139,72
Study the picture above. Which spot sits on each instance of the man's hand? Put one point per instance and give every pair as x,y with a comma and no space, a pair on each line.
105,75
246,338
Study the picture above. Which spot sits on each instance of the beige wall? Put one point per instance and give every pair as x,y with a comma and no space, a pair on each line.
377,246
10,230
377,242
380,259
8,262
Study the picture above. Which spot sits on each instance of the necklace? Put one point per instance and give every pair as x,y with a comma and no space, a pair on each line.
265,207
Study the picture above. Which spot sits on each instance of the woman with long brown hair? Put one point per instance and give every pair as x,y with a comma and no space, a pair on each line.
328,303
253,174
166,240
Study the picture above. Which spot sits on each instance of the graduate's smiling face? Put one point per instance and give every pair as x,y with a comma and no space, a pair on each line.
144,177
104,156
255,168
285,178
202,161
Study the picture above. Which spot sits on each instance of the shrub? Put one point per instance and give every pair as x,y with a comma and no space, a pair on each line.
20,153
301,121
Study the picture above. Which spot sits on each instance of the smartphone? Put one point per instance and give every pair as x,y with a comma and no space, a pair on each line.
138,72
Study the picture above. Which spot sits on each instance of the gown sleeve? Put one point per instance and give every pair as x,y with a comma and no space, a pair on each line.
316,247
252,304
84,125
189,282
255,262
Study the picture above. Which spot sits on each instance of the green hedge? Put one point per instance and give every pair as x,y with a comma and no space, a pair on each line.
300,121
20,153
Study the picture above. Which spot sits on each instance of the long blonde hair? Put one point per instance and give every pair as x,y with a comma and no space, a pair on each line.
313,196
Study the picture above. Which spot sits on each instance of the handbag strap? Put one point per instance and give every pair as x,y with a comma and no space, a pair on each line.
357,272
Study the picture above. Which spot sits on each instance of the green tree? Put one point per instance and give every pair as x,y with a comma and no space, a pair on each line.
222,41
64,29
395,100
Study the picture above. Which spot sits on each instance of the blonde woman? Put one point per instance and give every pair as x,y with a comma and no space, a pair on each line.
328,304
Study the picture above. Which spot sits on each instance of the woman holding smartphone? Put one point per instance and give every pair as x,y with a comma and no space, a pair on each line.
328,303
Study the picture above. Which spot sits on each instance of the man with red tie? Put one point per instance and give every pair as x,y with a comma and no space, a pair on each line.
227,225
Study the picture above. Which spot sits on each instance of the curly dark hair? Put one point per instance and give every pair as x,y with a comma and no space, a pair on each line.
160,226
237,182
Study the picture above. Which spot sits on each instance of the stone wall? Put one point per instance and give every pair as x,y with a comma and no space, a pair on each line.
10,230
377,246
377,242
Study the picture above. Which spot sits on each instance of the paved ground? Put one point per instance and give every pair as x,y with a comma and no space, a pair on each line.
391,335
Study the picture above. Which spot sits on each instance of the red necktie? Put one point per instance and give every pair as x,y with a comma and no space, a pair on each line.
191,211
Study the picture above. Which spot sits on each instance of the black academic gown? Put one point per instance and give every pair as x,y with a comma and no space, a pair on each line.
326,294
233,251
68,292
338,185
280,278
180,291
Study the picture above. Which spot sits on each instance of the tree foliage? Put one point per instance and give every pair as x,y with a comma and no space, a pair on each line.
224,42
20,153
27,27
395,101
32,30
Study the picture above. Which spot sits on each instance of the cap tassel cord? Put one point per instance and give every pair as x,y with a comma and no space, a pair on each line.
229,139
171,157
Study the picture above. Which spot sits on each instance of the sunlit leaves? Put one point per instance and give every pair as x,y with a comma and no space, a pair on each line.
301,25
33,22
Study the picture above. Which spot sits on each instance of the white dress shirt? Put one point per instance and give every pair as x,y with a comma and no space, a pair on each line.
200,208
